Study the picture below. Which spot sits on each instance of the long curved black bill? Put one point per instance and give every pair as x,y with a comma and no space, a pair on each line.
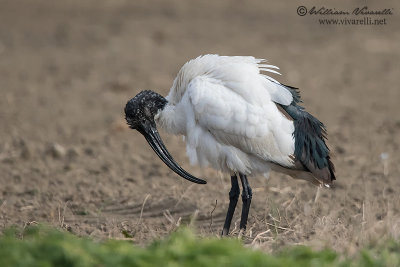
154,139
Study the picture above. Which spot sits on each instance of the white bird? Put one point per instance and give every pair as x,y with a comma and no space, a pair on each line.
235,119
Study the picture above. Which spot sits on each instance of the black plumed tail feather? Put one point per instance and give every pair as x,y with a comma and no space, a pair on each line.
310,135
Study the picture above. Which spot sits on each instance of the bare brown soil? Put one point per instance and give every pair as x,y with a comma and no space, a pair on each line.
67,158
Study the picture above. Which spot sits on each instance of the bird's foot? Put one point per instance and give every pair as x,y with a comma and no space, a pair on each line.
225,232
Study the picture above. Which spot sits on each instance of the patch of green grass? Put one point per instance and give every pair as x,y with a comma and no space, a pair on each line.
41,246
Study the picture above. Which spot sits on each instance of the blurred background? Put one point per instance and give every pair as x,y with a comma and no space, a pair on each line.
67,158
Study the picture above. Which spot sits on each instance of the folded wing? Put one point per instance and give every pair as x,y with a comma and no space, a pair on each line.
255,127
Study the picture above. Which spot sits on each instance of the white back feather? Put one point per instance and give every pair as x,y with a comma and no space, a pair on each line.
225,108
240,73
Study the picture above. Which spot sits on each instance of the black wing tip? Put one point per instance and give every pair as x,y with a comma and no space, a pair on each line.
311,149
324,174
309,134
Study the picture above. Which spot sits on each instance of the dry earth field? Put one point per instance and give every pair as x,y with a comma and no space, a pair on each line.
67,158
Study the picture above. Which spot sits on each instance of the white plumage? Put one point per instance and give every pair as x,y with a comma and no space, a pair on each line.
226,108
235,119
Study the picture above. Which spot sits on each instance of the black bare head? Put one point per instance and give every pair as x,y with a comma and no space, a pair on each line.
139,114
142,108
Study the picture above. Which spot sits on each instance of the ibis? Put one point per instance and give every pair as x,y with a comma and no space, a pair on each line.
238,120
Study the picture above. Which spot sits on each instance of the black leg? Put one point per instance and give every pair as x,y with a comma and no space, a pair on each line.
233,199
246,198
